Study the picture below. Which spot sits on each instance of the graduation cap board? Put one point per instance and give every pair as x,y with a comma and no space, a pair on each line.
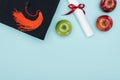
30,16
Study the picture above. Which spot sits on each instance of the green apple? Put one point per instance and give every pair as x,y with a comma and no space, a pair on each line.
64,27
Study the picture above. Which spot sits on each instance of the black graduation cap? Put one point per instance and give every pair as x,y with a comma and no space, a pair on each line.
30,16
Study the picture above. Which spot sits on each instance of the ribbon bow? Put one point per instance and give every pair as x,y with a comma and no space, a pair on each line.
73,8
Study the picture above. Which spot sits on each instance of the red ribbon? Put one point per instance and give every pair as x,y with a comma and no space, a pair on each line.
73,8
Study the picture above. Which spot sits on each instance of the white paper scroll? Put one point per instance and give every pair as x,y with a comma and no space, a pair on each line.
82,19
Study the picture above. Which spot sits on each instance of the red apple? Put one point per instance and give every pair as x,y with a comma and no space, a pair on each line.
108,5
104,23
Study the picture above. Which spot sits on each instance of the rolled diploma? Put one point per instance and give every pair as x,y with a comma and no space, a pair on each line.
82,19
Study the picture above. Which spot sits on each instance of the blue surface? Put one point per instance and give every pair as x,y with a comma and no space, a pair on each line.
75,57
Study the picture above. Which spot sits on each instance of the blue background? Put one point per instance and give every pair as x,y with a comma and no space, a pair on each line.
76,57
